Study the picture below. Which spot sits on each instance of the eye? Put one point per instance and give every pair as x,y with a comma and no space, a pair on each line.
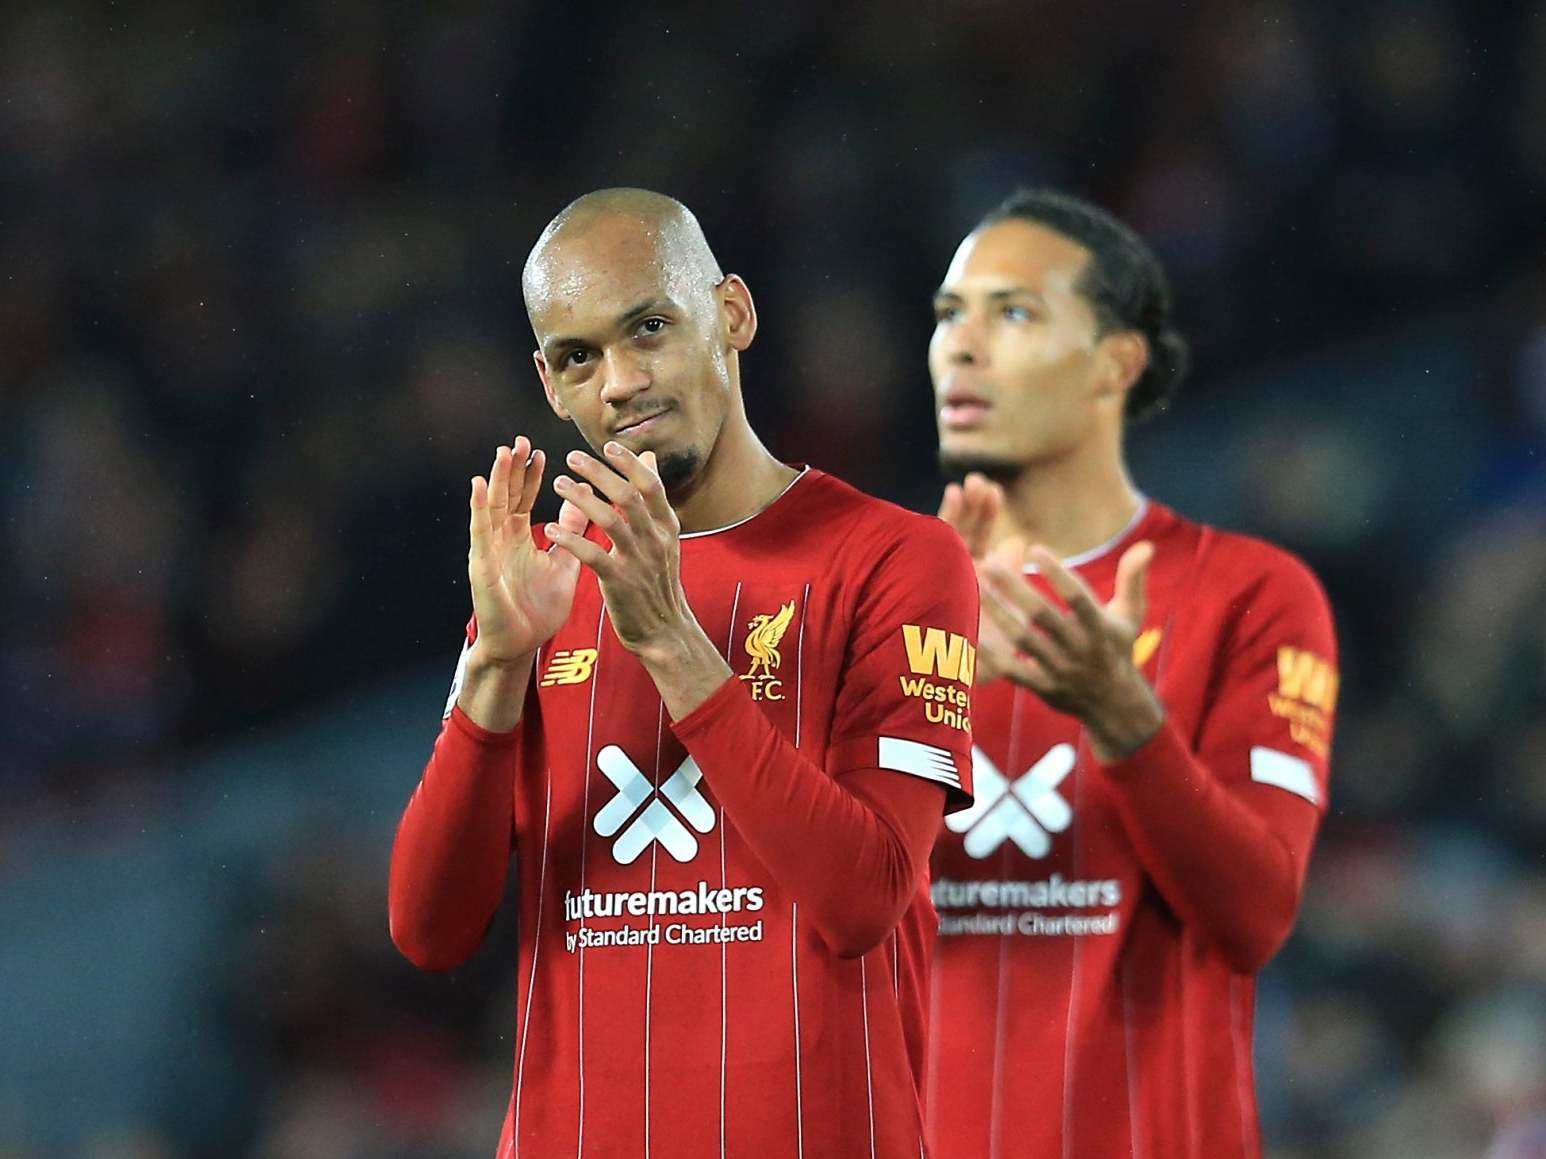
652,325
574,358
944,313
1018,314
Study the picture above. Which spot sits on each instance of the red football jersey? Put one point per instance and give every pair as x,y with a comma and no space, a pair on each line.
1100,926
673,999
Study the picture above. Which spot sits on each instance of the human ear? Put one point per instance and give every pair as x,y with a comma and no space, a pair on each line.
547,387
737,311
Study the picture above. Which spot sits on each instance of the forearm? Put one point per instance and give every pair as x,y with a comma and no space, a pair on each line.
453,846
493,692
687,669
1218,864
853,860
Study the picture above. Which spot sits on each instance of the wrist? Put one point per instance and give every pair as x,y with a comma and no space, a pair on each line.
1123,723
479,660
494,689
686,667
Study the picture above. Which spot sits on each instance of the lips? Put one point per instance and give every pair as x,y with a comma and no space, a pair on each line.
962,408
639,424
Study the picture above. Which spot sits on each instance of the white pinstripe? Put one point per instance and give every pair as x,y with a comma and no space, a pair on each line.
1000,1032
1242,1064
536,948
1133,1131
794,973
935,986
799,664
794,908
724,988
649,952
1069,1034
869,1084
590,729
1000,1019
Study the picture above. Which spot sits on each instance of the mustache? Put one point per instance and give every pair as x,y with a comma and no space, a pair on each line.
639,416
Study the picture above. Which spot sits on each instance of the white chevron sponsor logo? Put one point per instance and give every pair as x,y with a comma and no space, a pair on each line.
636,828
1028,811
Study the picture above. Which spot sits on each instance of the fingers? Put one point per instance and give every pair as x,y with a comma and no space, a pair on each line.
951,505
499,485
567,542
1035,658
983,500
1031,674
480,551
1030,606
1011,555
644,474
514,480
1130,603
571,518
572,521
582,498
1070,587
620,491
524,497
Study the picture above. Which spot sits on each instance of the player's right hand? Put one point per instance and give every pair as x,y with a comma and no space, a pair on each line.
972,507
520,595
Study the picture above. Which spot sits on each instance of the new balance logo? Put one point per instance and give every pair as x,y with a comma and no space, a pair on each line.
569,667
1028,811
656,821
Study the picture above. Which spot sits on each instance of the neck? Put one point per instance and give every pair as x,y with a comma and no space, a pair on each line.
740,478
1071,504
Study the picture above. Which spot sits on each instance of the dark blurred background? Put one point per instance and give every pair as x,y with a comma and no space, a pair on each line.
260,321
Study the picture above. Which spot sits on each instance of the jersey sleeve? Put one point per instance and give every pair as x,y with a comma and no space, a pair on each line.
1224,819
1270,728
458,676
905,701
455,839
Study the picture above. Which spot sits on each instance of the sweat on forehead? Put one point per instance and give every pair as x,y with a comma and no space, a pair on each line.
596,232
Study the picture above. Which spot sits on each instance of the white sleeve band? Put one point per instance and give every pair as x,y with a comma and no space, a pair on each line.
456,679
1270,767
920,760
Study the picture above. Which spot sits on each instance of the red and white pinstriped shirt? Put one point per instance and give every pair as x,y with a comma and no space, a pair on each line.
1101,926
714,958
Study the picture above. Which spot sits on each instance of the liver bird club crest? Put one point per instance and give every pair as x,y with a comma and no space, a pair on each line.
763,635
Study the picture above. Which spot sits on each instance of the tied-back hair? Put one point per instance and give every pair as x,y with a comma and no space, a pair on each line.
1123,282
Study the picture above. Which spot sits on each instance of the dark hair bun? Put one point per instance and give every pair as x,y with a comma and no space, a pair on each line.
1169,357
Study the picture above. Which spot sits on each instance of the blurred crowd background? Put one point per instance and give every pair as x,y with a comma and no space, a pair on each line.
260,321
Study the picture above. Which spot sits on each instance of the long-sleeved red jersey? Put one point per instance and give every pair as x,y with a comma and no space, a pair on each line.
1101,925
724,920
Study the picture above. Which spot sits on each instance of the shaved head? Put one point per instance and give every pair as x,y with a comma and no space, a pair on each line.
644,225
638,330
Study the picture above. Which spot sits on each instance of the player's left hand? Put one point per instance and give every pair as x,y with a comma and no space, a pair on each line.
1080,661
641,575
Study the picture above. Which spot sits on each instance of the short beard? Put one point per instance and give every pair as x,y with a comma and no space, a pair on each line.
678,469
956,467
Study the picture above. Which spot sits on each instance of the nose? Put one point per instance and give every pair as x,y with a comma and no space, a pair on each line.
626,375
961,342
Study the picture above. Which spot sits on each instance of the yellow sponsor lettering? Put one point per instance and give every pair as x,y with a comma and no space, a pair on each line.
935,652
1306,677
944,714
